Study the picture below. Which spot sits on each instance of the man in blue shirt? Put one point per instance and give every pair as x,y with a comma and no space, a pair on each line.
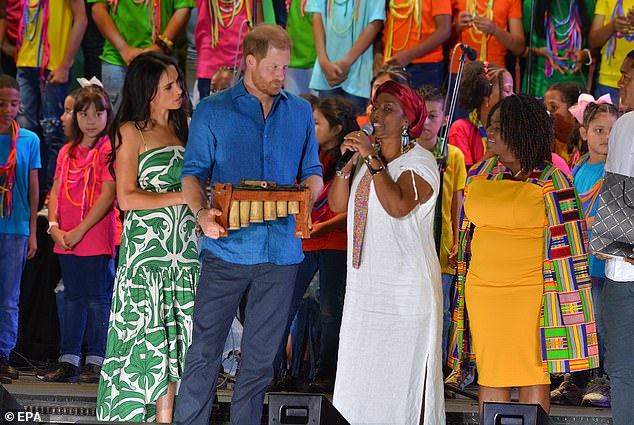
254,131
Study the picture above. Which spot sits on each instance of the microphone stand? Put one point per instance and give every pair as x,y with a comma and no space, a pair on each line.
529,59
444,139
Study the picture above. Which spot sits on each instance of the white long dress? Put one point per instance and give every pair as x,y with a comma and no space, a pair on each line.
390,339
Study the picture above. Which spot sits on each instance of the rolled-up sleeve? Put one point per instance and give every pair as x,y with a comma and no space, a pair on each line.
200,150
310,164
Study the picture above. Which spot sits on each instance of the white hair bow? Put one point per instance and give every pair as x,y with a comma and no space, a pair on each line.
86,83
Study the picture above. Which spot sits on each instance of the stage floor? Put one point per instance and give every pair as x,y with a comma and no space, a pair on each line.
69,403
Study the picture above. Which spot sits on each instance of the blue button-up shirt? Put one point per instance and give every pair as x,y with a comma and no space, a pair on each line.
230,140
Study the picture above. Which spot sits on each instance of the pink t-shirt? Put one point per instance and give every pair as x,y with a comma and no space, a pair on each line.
224,53
466,137
100,239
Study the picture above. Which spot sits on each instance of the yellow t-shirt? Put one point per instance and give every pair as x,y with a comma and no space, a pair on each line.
60,22
454,180
609,72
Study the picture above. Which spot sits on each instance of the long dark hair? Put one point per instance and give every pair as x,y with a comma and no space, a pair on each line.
337,111
544,7
139,88
84,97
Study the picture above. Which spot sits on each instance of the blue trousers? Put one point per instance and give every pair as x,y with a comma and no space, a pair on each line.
618,320
88,283
269,288
427,74
12,259
360,103
40,112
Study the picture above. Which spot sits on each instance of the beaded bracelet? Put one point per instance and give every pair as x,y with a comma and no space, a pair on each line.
342,174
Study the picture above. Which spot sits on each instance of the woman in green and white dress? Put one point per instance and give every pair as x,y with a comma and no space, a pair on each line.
153,300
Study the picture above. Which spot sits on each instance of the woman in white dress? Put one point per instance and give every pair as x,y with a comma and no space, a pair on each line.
389,365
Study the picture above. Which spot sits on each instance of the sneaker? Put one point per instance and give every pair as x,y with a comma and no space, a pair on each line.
460,378
598,394
6,370
64,372
567,394
90,374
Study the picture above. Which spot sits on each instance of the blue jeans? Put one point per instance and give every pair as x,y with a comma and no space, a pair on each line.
88,283
600,90
447,280
40,112
427,74
12,259
112,77
332,288
618,318
298,80
221,287
360,103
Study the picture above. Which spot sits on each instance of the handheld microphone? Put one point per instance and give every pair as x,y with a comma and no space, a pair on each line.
469,51
347,155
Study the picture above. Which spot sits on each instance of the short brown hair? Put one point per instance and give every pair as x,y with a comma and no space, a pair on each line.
262,36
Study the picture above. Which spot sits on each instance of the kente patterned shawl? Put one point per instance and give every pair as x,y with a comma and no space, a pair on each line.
568,329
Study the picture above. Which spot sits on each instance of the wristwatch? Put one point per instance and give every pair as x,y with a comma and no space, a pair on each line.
51,224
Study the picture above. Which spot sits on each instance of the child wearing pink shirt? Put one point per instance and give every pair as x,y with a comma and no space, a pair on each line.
82,224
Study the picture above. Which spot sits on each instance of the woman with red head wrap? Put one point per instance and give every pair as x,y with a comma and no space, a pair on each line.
393,301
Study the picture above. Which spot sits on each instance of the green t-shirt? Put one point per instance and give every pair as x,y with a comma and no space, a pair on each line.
300,28
539,81
131,20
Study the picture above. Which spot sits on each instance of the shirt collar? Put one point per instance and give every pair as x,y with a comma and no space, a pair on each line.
240,90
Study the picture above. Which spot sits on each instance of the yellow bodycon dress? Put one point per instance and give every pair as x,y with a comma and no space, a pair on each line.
504,283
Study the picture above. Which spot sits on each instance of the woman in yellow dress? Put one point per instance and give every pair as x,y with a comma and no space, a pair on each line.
523,270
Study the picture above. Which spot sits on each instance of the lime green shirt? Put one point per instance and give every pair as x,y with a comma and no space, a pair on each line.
300,28
131,20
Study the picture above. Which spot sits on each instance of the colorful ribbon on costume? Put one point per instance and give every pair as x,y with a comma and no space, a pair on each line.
361,197
584,100
7,174
561,51
474,119
27,22
412,10
610,48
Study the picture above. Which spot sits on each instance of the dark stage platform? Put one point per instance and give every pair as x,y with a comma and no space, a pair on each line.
69,403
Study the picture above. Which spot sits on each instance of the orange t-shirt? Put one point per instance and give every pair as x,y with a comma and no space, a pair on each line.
405,32
503,10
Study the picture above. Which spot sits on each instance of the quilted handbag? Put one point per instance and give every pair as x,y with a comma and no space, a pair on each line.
613,229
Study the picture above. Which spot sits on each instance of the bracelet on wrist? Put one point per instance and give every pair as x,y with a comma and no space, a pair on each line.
342,174
589,56
164,43
368,159
199,211
51,224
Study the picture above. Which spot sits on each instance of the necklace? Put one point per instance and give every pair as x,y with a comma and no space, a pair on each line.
562,37
32,24
477,35
410,10
83,174
7,174
154,13
610,49
332,4
223,13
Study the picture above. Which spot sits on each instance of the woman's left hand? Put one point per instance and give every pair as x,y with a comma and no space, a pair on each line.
360,142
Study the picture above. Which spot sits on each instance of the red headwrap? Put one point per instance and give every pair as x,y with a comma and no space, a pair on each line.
412,103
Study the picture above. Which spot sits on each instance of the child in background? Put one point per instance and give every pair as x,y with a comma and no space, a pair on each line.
558,99
221,80
454,177
596,119
82,224
19,161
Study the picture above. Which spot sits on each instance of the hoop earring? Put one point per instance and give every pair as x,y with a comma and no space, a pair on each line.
404,139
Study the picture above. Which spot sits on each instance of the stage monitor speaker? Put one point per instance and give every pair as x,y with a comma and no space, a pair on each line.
11,411
513,414
301,409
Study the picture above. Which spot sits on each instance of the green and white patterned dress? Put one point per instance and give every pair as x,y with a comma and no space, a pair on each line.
153,302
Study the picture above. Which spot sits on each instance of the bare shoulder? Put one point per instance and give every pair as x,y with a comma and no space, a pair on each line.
130,135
